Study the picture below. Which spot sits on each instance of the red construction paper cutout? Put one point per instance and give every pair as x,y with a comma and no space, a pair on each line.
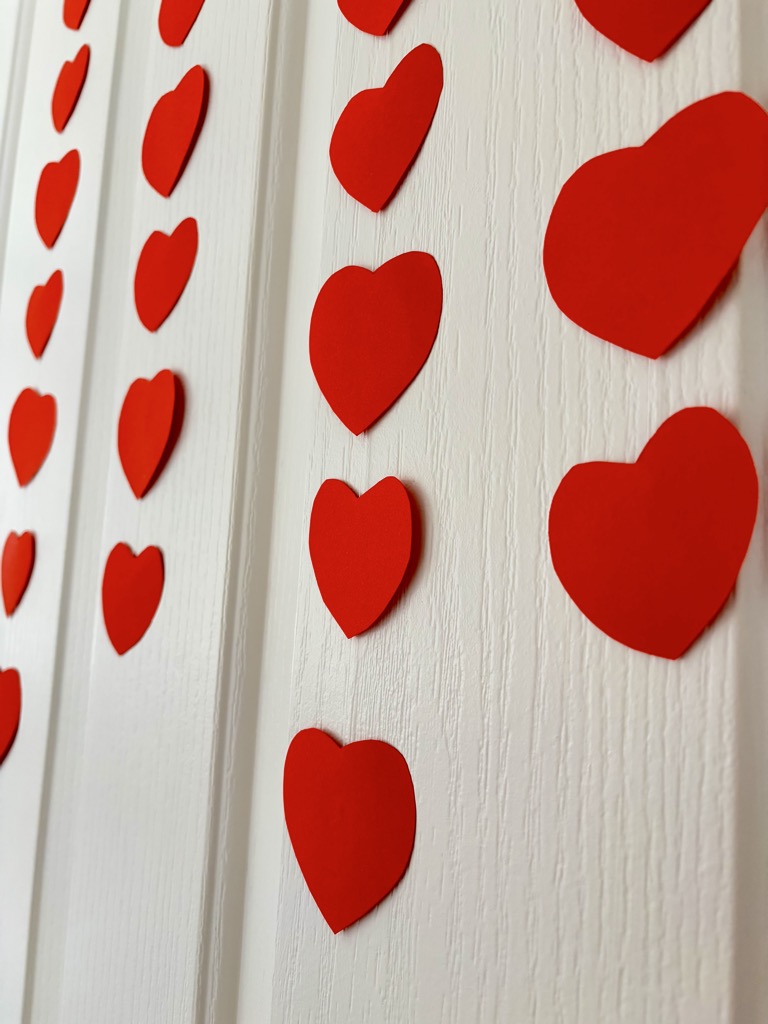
173,130
17,565
351,817
130,594
650,551
150,424
646,28
43,312
10,710
373,16
55,195
162,273
360,549
371,332
74,12
640,240
31,427
177,18
381,131
68,88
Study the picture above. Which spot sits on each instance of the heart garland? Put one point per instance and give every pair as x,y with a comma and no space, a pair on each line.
176,19
351,817
31,427
55,195
10,710
149,426
163,271
173,130
380,131
69,85
640,240
646,29
17,564
650,551
361,549
43,312
130,594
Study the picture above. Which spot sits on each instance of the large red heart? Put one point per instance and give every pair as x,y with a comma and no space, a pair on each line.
351,817
31,427
18,563
162,273
374,16
130,594
43,312
55,195
640,240
651,550
646,28
173,129
381,131
150,423
74,12
371,332
176,19
10,710
68,88
360,549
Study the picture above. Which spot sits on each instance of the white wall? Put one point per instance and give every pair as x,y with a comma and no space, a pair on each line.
591,831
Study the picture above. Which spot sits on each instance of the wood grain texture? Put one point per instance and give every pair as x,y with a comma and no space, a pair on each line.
591,835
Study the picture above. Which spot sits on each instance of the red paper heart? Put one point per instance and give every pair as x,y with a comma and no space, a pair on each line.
381,131
360,549
641,240
162,273
646,28
173,130
373,16
43,312
351,817
150,423
17,566
10,710
651,550
31,427
371,332
130,594
55,195
177,18
68,88
74,12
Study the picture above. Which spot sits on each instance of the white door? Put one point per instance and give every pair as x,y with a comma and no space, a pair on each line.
592,835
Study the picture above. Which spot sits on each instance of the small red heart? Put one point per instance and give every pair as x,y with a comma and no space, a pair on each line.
10,710
55,195
43,312
130,594
31,427
176,19
648,28
371,332
360,549
68,88
150,423
381,131
173,130
162,273
17,566
373,16
640,240
74,12
650,551
351,818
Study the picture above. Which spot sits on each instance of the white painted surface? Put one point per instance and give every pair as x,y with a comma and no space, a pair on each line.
592,833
